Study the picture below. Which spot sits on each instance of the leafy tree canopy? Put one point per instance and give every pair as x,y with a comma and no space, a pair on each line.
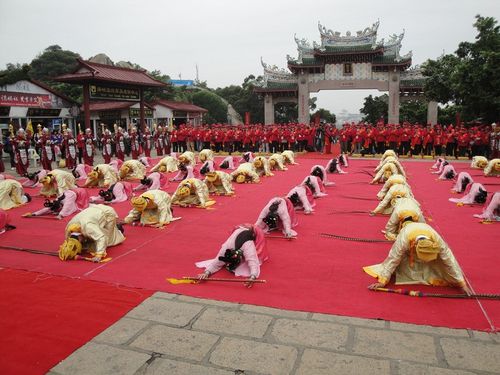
375,108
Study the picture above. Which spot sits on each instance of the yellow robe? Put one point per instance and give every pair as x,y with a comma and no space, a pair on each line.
11,194
205,154
107,176
394,179
265,169
168,162
387,204
279,162
161,213
387,167
61,182
404,207
136,170
493,168
198,196
98,226
222,185
248,170
409,269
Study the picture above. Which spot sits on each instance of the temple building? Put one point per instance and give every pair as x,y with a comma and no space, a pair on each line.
343,62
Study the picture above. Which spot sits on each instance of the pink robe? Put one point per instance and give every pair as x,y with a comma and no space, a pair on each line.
462,182
158,181
146,161
337,167
438,163
305,197
207,166
469,197
286,213
253,251
188,173
83,170
249,155
491,210
122,190
116,164
447,169
343,159
440,167
323,180
230,162
36,182
74,200
318,190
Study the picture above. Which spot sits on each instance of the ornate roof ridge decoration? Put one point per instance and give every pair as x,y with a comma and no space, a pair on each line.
413,73
366,36
304,48
275,74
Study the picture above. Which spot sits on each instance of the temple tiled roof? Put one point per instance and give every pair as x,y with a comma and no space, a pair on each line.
180,106
88,71
379,60
111,105
348,49
412,82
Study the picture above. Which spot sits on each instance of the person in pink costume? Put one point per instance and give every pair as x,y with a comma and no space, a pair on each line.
315,185
491,210
319,171
343,160
302,199
448,173
440,167
242,254
475,193
247,157
33,179
185,171
116,164
463,180
278,214
146,161
4,222
81,171
207,166
333,166
119,192
153,181
227,163
438,163
69,202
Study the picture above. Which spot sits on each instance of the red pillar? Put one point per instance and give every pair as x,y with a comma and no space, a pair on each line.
86,105
141,125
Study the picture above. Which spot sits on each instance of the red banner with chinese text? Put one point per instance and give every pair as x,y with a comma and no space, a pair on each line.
247,118
21,99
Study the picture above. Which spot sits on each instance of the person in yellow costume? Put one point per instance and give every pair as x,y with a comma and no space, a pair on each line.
394,179
406,210
479,162
151,208
167,164
245,173
493,168
419,256
385,155
103,175
192,192
133,170
387,204
205,154
277,162
387,170
12,194
289,157
393,160
219,183
187,158
261,165
56,182
93,230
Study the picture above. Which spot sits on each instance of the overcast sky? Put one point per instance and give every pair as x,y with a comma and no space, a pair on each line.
226,38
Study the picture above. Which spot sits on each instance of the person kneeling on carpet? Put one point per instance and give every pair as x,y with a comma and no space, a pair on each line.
394,161
478,162
56,182
419,256
66,204
4,222
406,210
277,162
245,173
261,165
315,185
185,171
241,254
320,172
394,179
151,208
475,193
192,192
167,164
116,193
278,214
227,163
491,211
387,170
493,168
448,173
463,180
12,194
33,179
154,181
132,170
103,175
219,183
93,230
387,204
289,157
302,199
333,166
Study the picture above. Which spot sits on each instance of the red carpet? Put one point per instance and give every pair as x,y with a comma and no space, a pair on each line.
311,273
45,318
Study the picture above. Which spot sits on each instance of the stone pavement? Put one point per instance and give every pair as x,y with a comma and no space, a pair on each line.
179,335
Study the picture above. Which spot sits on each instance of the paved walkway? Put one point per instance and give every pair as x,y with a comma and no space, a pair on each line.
179,335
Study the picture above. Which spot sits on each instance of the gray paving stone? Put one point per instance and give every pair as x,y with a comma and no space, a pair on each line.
440,331
486,336
254,356
233,323
162,366
316,362
310,333
164,295
348,320
275,312
122,331
393,344
99,359
176,342
209,302
165,311
472,355
417,369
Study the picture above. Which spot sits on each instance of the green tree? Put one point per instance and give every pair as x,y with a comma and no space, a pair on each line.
14,73
285,113
217,110
441,85
52,62
413,111
375,108
325,115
